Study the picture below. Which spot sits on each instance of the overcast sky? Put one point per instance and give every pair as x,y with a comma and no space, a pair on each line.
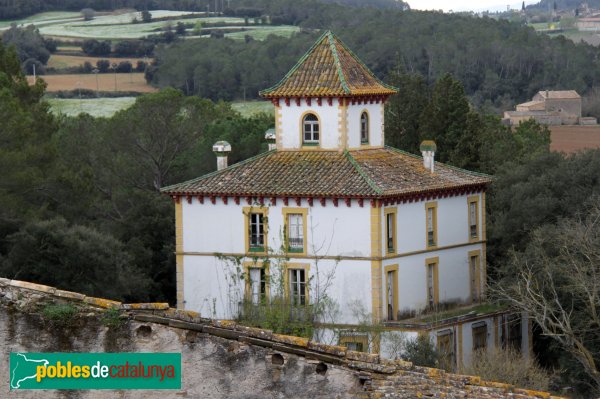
463,5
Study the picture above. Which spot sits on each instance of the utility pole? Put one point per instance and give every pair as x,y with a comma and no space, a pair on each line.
114,65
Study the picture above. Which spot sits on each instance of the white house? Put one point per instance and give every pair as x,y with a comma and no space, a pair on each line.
330,211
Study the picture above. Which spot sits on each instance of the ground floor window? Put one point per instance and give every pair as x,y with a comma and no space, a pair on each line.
480,335
445,347
354,341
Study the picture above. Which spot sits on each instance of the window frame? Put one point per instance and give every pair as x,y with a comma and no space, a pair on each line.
445,338
476,330
393,269
248,211
433,206
354,337
367,138
295,211
434,263
288,294
312,142
393,212
474,199
475,278
247,285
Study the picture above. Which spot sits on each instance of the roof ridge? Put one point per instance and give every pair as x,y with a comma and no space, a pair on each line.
361,172
438,162
357,59
338,65
216,172
295,67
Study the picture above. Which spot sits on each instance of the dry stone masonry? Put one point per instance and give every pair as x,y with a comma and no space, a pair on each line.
220,359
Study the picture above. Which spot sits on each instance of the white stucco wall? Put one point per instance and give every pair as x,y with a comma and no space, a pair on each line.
375,113
289,134
331,231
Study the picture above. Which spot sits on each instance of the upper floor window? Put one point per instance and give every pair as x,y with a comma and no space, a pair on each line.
257,231
295,232
390,230
310,129
431,223
473,217
364,128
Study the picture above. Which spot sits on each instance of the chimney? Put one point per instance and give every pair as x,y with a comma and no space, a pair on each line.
221,150
428,149
270,137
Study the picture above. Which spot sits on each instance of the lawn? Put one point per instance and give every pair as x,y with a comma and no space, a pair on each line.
43,19
250,108
129,82
98,107
261,32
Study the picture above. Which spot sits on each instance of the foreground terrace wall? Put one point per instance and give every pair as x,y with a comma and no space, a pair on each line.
220,359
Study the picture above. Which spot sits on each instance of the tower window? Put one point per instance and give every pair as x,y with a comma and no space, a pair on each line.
310,129
364,128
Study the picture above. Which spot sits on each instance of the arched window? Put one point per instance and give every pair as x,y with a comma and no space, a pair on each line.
310,129
364,128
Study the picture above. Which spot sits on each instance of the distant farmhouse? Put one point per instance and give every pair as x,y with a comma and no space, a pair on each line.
550,108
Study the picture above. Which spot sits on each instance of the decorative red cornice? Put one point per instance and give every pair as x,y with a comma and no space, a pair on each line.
376,201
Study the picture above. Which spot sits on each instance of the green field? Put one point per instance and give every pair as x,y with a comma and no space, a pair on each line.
70,25
249,108
106,107
98,107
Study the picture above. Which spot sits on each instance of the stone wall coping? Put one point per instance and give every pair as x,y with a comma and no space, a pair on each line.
161,313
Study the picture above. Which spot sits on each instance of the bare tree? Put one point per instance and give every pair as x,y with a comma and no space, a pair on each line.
557,282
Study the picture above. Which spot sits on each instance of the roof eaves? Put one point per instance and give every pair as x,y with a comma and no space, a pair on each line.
173,187
362,174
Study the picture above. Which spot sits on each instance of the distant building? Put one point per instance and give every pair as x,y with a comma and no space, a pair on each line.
549,108
588,24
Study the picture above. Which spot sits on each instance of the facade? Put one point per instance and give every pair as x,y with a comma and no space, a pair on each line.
332,218
549,108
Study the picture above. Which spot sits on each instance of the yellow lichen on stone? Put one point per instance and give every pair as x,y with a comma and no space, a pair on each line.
529,392
101,302
146,306
32,286
288,339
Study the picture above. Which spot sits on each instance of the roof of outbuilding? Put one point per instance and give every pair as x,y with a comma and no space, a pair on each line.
328,68
372,173
559,94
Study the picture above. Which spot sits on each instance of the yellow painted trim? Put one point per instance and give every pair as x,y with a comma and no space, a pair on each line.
179,254
278,128
349,337
310,147
343,125
496,334
436,287
382,123
483,225
394,269
459,357
286,279
386,212
362,145
304,212
328,257
376,272
256,265
477,276
483,270
431,205
470,200
247,210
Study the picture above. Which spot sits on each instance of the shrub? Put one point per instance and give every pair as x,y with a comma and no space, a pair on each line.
421,351
112,318
508,365
59,314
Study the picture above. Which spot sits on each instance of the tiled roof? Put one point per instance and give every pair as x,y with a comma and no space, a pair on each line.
373,173
559,94
329,68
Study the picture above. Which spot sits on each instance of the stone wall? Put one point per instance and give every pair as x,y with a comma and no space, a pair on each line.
220,359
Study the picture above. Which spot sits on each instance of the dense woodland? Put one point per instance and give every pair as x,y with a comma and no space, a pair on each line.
498,62
79,201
